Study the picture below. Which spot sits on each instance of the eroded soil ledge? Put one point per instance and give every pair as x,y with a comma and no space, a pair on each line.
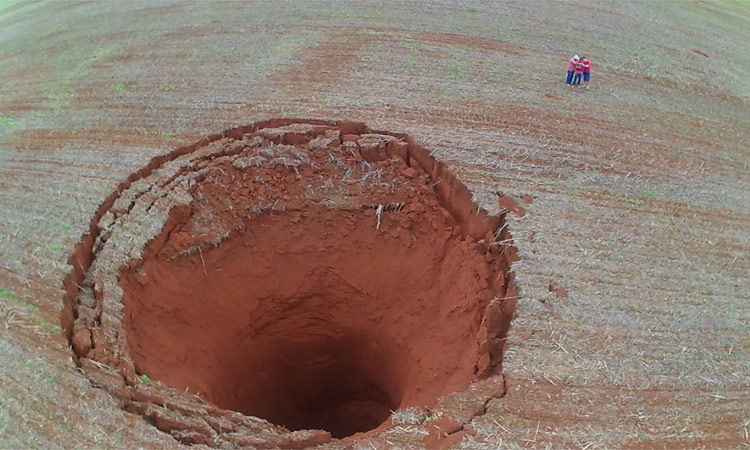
291,282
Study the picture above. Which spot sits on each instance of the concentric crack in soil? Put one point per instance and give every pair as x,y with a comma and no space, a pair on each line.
290,282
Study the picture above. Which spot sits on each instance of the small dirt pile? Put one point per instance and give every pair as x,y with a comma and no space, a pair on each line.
290,282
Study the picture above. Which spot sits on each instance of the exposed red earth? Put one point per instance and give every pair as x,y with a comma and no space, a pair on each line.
317,275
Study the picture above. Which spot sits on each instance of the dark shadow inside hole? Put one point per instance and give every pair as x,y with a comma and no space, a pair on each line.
332,384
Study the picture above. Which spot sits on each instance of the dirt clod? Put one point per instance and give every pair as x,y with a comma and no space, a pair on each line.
82,342
508,203
409,172
559,291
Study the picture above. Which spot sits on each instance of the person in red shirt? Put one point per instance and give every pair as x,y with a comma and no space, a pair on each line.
586,71
578,72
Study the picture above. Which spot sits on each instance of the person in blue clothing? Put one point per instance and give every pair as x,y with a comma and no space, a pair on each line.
571,69
586,71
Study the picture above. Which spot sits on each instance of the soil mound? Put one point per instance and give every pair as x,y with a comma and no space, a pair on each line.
289,282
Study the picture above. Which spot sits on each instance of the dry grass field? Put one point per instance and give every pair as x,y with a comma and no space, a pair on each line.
633,325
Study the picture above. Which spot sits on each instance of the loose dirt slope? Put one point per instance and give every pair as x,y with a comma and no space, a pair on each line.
632,328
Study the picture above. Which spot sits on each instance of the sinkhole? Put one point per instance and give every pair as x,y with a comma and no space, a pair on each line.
316,275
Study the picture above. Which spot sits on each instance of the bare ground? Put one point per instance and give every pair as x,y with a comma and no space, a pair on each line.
632,328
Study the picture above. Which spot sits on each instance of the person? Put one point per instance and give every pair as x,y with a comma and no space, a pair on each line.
571,69
586,71
578,72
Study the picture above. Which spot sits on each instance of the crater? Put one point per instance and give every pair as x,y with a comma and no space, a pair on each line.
288,283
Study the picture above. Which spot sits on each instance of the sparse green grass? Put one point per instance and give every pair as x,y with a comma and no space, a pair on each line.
7,122
4,418
121,88
16,312
5,4
39,367
71,67
8,295
58,97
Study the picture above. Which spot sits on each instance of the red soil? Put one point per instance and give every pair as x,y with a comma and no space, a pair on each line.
508,203
320,294
312,316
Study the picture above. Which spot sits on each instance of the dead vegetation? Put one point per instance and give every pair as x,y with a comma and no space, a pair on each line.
640,185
